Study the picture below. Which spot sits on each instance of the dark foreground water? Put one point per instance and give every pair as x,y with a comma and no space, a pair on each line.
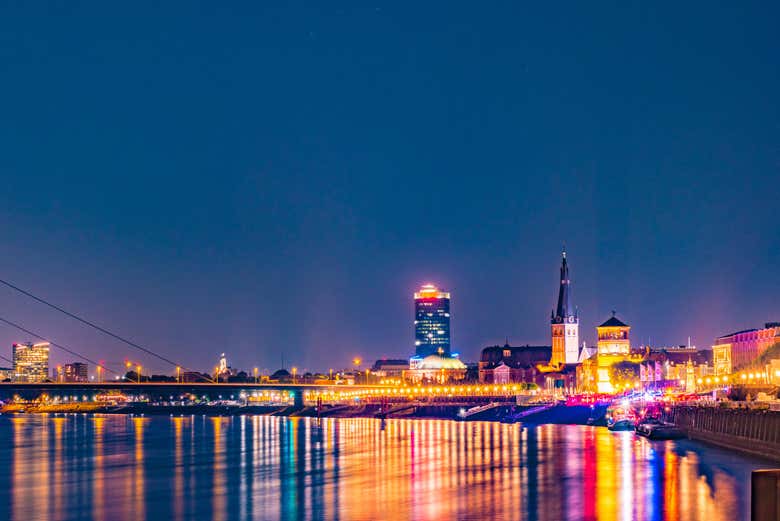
259,467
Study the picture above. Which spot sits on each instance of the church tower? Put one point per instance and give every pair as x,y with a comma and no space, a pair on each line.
564,323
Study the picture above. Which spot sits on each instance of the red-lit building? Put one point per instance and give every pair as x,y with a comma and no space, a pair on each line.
738,350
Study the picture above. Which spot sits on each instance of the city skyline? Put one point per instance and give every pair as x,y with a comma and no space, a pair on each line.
494,261
264,201
564,314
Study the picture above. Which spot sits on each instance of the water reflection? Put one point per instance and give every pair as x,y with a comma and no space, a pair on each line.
116,467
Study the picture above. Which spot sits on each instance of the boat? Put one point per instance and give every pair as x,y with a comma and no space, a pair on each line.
622,424
596,422
667,431
654,429
646,425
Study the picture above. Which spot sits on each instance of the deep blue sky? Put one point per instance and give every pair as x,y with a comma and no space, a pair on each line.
255,180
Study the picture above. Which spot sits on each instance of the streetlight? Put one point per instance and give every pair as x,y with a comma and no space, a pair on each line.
255,373
178,374
138,368
294,372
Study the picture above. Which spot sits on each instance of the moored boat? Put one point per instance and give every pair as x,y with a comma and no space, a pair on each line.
665,431
646,425
623,424
656,429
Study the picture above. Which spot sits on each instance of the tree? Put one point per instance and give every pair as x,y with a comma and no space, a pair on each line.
773,353
624,373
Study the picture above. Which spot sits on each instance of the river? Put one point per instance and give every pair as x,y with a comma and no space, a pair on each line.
111,467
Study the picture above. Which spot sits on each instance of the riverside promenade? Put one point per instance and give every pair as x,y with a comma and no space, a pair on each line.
751,429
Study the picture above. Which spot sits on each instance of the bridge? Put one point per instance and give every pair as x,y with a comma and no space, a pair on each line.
296,394
170,391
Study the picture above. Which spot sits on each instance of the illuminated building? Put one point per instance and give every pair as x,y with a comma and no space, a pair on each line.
773,371
31,362
721,359
385,368
75,372
613,346
738,350
222,369
6,373
587,375
436,369
431,322
508,364
564,323
674,367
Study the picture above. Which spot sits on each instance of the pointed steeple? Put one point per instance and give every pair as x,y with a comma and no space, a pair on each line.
564,309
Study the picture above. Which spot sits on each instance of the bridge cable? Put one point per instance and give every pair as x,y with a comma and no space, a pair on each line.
21,328
93,325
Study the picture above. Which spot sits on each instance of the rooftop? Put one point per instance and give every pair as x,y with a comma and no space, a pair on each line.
519,356
613,322
440,362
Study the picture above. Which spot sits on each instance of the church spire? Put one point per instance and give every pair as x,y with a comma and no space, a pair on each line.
564,309
565,324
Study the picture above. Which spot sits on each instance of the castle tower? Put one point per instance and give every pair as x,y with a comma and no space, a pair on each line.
614,346
564,323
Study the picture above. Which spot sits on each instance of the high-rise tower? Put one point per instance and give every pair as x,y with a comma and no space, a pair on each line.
31,362
431,322
564,323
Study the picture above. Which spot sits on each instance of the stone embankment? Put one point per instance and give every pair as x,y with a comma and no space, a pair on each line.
751,430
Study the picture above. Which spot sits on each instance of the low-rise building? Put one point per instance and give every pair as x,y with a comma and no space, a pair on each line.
721,359
512,364
389,368
739,350
678,367
74,372
436,369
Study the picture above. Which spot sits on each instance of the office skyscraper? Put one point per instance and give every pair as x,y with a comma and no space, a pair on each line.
31,362
431,322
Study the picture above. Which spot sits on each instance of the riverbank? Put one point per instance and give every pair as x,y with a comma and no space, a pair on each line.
750,431
496,412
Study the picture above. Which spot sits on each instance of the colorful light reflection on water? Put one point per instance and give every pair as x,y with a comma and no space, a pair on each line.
259,467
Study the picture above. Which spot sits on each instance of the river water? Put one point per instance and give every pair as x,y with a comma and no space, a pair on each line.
116,467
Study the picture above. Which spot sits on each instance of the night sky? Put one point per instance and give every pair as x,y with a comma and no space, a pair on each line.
277,181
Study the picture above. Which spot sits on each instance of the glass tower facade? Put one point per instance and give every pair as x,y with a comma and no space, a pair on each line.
31,362
431,322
